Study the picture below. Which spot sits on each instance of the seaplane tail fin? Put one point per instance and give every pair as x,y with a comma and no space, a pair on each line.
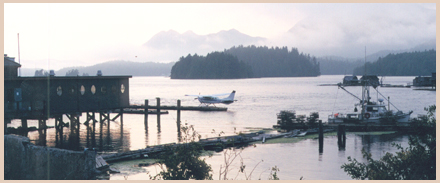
231,96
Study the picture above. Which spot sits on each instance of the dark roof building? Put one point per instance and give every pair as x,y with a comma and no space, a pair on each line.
371,80
11,67
50,96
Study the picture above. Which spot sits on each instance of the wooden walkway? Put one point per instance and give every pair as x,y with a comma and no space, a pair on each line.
183,108
214,143
138,111
101,163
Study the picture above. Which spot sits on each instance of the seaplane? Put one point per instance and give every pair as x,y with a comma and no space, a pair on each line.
207,100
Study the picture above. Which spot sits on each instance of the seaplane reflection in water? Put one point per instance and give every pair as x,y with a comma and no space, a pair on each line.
207,100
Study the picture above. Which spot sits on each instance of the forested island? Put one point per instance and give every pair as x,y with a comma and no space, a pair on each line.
402,64
276,62
246,62
216,65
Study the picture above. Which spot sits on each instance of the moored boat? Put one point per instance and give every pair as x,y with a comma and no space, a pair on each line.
370,111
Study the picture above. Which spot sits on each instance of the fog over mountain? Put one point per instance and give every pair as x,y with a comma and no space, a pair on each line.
59,35
170,45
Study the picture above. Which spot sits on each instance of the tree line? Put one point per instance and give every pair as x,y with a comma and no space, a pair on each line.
402,64
215,65
246,62
276,62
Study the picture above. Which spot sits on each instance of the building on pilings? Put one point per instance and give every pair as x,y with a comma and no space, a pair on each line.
51,96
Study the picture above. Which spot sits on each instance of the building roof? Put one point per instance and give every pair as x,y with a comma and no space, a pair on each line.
350,78
9,61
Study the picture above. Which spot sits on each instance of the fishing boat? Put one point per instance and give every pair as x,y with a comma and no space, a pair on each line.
370,111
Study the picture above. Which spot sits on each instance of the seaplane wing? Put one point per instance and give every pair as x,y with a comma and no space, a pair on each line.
213,99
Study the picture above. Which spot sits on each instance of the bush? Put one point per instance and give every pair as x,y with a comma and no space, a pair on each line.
417,162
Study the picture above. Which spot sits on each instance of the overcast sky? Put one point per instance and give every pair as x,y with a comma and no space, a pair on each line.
53,36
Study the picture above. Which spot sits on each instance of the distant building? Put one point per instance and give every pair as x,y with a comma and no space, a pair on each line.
350,80
46,97
425,80
372,80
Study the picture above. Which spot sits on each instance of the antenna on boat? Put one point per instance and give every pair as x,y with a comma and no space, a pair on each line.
18,39
365,65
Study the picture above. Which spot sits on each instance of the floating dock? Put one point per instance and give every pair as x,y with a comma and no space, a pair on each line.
214,143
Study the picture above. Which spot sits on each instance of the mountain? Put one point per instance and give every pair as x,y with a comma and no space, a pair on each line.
167,45
123,68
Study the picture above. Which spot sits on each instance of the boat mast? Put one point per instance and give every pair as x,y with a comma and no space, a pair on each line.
18,39
364,87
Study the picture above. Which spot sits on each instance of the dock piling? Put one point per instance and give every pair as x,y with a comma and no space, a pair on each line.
146,115
158,113
321,137
341,137
178,115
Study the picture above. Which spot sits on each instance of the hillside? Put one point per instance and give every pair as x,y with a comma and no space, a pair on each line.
215,65
123,68
402,64
276,62
336,65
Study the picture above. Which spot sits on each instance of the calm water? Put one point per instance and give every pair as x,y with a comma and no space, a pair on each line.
259,100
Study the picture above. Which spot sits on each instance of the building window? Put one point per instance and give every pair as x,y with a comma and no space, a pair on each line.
93,89
82,90
59,91
122,88
103,89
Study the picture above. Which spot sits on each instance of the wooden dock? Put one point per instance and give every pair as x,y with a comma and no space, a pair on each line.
101,164
183,108
214,143
138,111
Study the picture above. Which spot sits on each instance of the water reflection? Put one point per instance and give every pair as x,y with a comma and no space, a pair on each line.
72,135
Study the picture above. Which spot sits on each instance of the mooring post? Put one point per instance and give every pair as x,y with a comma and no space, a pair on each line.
321,137
341,136
178,115
158,113
146,115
